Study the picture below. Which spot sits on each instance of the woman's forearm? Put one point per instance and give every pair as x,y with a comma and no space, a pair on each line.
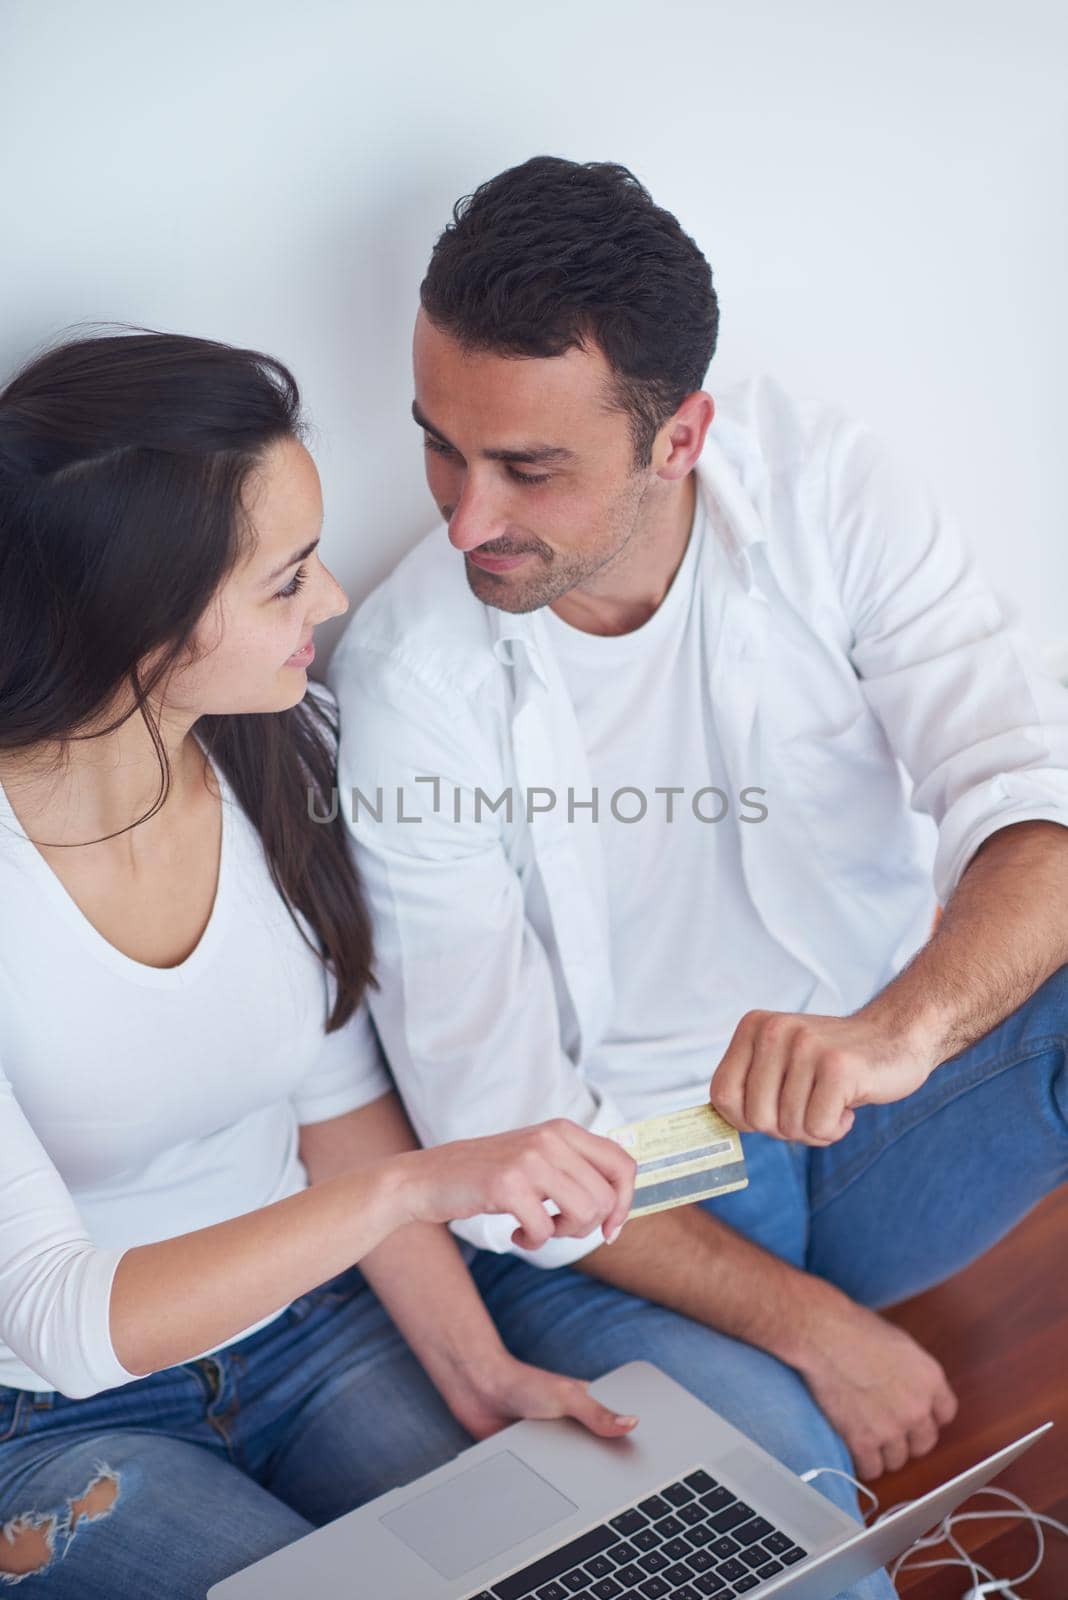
171,1301
418,1272
420,1277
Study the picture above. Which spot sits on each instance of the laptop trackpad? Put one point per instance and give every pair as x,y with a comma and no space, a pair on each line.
478,1514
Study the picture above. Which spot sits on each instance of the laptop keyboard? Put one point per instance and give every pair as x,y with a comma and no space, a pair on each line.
693,1540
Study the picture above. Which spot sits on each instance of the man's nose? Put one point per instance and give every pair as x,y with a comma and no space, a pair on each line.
476,518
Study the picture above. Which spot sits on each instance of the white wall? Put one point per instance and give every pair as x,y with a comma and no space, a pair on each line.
879,186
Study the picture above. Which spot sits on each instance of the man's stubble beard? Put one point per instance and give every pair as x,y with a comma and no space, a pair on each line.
557,575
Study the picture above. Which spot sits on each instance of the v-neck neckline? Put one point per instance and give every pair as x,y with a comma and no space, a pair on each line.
90,936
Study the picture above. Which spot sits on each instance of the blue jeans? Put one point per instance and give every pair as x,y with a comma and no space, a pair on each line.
914,1192
220,1461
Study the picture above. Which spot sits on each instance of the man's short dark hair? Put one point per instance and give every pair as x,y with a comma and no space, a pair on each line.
555,254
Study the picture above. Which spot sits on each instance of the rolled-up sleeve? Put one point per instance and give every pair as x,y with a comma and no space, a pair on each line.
979,724
55,1284
465,1006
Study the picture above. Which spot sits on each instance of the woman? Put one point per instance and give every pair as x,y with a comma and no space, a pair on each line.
197,1141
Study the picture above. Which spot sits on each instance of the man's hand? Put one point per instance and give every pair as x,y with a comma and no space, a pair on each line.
884,1394
801,1077
484,1394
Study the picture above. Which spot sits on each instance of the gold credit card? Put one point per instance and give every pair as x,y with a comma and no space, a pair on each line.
682,1157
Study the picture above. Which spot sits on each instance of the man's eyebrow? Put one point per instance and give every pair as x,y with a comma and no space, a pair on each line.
301,555
533,455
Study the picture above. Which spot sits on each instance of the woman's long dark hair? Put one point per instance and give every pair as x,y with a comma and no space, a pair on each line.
122,461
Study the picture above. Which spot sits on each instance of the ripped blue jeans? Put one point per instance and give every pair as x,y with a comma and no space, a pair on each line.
163,1487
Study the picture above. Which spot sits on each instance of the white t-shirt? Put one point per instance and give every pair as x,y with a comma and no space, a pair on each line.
689,952
138,1103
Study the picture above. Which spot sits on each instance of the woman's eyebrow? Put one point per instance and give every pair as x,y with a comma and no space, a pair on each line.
301,555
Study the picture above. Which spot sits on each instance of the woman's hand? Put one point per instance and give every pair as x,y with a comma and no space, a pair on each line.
588,1178
487,1395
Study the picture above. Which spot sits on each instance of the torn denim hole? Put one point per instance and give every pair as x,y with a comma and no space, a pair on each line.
32,1541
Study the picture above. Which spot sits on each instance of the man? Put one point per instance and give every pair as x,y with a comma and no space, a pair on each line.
666,748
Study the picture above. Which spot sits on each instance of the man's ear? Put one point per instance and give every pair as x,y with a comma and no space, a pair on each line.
682,437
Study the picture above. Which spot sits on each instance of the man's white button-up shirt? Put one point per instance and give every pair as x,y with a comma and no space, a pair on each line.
861,673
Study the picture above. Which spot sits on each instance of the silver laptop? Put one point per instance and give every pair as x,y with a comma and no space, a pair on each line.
686,1508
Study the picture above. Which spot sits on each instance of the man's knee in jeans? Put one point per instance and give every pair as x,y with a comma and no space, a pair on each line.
1044,1014
1038,1030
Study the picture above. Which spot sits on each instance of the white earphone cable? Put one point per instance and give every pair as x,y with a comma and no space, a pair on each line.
982,1581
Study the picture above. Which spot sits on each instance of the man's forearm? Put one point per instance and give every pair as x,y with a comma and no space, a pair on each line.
801,1076
693,1263
1002,935
886,1396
